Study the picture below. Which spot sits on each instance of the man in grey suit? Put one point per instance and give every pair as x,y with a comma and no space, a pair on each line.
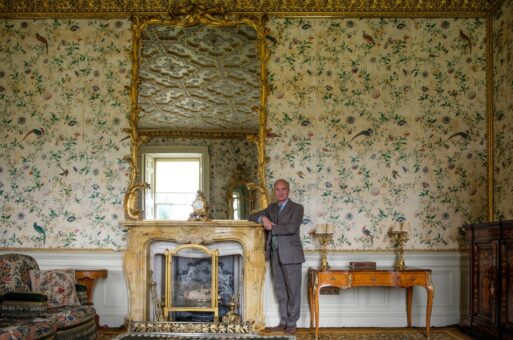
285,251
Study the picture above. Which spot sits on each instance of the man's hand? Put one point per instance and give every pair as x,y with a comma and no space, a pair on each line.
268,225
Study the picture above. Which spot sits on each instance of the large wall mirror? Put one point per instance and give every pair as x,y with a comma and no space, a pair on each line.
198,115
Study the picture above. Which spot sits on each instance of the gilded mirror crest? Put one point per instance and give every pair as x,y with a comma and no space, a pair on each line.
218,109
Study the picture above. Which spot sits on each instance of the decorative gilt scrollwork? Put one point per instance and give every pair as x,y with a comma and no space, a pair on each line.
198,134
116,8
143,327
185,16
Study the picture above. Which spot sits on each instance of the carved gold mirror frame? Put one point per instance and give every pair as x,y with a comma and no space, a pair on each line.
186,17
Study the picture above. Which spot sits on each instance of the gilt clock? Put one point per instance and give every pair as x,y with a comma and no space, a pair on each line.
199,208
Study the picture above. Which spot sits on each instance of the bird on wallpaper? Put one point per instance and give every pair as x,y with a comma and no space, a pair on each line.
124,138
64,172
463,134
367,133
41,230
43,40
301,174
366,232
272,39
395,174
467,39
38,132
368,38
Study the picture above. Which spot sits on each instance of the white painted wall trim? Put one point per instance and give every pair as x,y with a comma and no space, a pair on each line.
382,306
356,307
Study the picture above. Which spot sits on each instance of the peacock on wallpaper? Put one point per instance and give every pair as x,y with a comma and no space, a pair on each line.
372,120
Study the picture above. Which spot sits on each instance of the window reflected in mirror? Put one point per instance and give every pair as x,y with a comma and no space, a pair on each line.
176,184
175,175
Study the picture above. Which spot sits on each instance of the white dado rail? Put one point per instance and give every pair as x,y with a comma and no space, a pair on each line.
360,307
141,235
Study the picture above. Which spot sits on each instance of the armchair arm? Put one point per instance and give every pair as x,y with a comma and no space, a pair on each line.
23,305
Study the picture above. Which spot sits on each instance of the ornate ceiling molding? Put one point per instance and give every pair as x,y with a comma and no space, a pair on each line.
209,134
125,8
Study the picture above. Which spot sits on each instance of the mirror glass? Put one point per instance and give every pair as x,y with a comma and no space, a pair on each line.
199,87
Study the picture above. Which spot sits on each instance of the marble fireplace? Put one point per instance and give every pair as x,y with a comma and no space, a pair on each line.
240,245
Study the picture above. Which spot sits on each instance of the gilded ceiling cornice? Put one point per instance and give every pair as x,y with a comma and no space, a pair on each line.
125,8
208,134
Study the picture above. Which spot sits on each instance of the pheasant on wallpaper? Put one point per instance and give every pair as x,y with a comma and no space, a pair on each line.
42,40
467,39
38,132
367,133
463,134
41,230
367,233
368,38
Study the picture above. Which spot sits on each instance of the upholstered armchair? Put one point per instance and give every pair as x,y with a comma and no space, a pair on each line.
37,304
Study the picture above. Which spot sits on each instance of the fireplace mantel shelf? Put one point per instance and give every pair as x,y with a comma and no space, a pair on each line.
176,223
141,234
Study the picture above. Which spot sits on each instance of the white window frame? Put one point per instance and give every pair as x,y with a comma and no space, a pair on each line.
166,152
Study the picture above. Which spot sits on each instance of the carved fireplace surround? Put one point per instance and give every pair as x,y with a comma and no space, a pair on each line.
141,234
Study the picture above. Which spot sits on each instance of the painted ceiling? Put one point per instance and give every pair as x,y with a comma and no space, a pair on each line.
199,78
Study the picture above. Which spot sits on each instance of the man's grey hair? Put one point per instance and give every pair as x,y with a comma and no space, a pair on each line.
281,180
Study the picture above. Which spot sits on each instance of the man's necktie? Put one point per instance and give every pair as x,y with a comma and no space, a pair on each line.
274,239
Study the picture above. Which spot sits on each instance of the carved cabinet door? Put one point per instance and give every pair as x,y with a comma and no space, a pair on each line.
485,276
507,280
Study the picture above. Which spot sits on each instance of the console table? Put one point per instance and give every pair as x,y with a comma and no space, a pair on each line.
347,278
88,278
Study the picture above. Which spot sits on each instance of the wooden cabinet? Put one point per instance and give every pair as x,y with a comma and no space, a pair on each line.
490,312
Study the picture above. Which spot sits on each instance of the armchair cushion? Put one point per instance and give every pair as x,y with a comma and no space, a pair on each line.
14,269
58,285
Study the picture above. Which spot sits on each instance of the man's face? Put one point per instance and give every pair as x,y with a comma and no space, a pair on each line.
281,191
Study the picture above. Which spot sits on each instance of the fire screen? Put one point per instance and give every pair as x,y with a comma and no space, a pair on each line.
197,290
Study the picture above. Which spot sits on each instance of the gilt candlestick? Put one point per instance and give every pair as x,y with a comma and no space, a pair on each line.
400,237
324,232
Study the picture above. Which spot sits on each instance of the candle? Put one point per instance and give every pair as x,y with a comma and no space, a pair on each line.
320,228
324,228
396,226
329,228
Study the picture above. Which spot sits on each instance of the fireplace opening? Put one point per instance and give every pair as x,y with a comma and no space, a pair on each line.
191,280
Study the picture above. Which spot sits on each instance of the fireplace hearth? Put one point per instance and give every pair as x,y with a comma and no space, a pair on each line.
192,279
240,267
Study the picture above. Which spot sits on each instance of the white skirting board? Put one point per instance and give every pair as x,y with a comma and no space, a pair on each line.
355,307
383,306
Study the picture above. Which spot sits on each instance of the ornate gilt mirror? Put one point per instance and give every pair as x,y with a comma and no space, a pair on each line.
198,98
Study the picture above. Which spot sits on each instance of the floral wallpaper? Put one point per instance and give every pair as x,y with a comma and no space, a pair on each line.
64,99
379,120
224,157
503,111
372,121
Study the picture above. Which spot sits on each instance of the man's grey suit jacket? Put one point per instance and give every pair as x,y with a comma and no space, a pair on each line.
286,228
